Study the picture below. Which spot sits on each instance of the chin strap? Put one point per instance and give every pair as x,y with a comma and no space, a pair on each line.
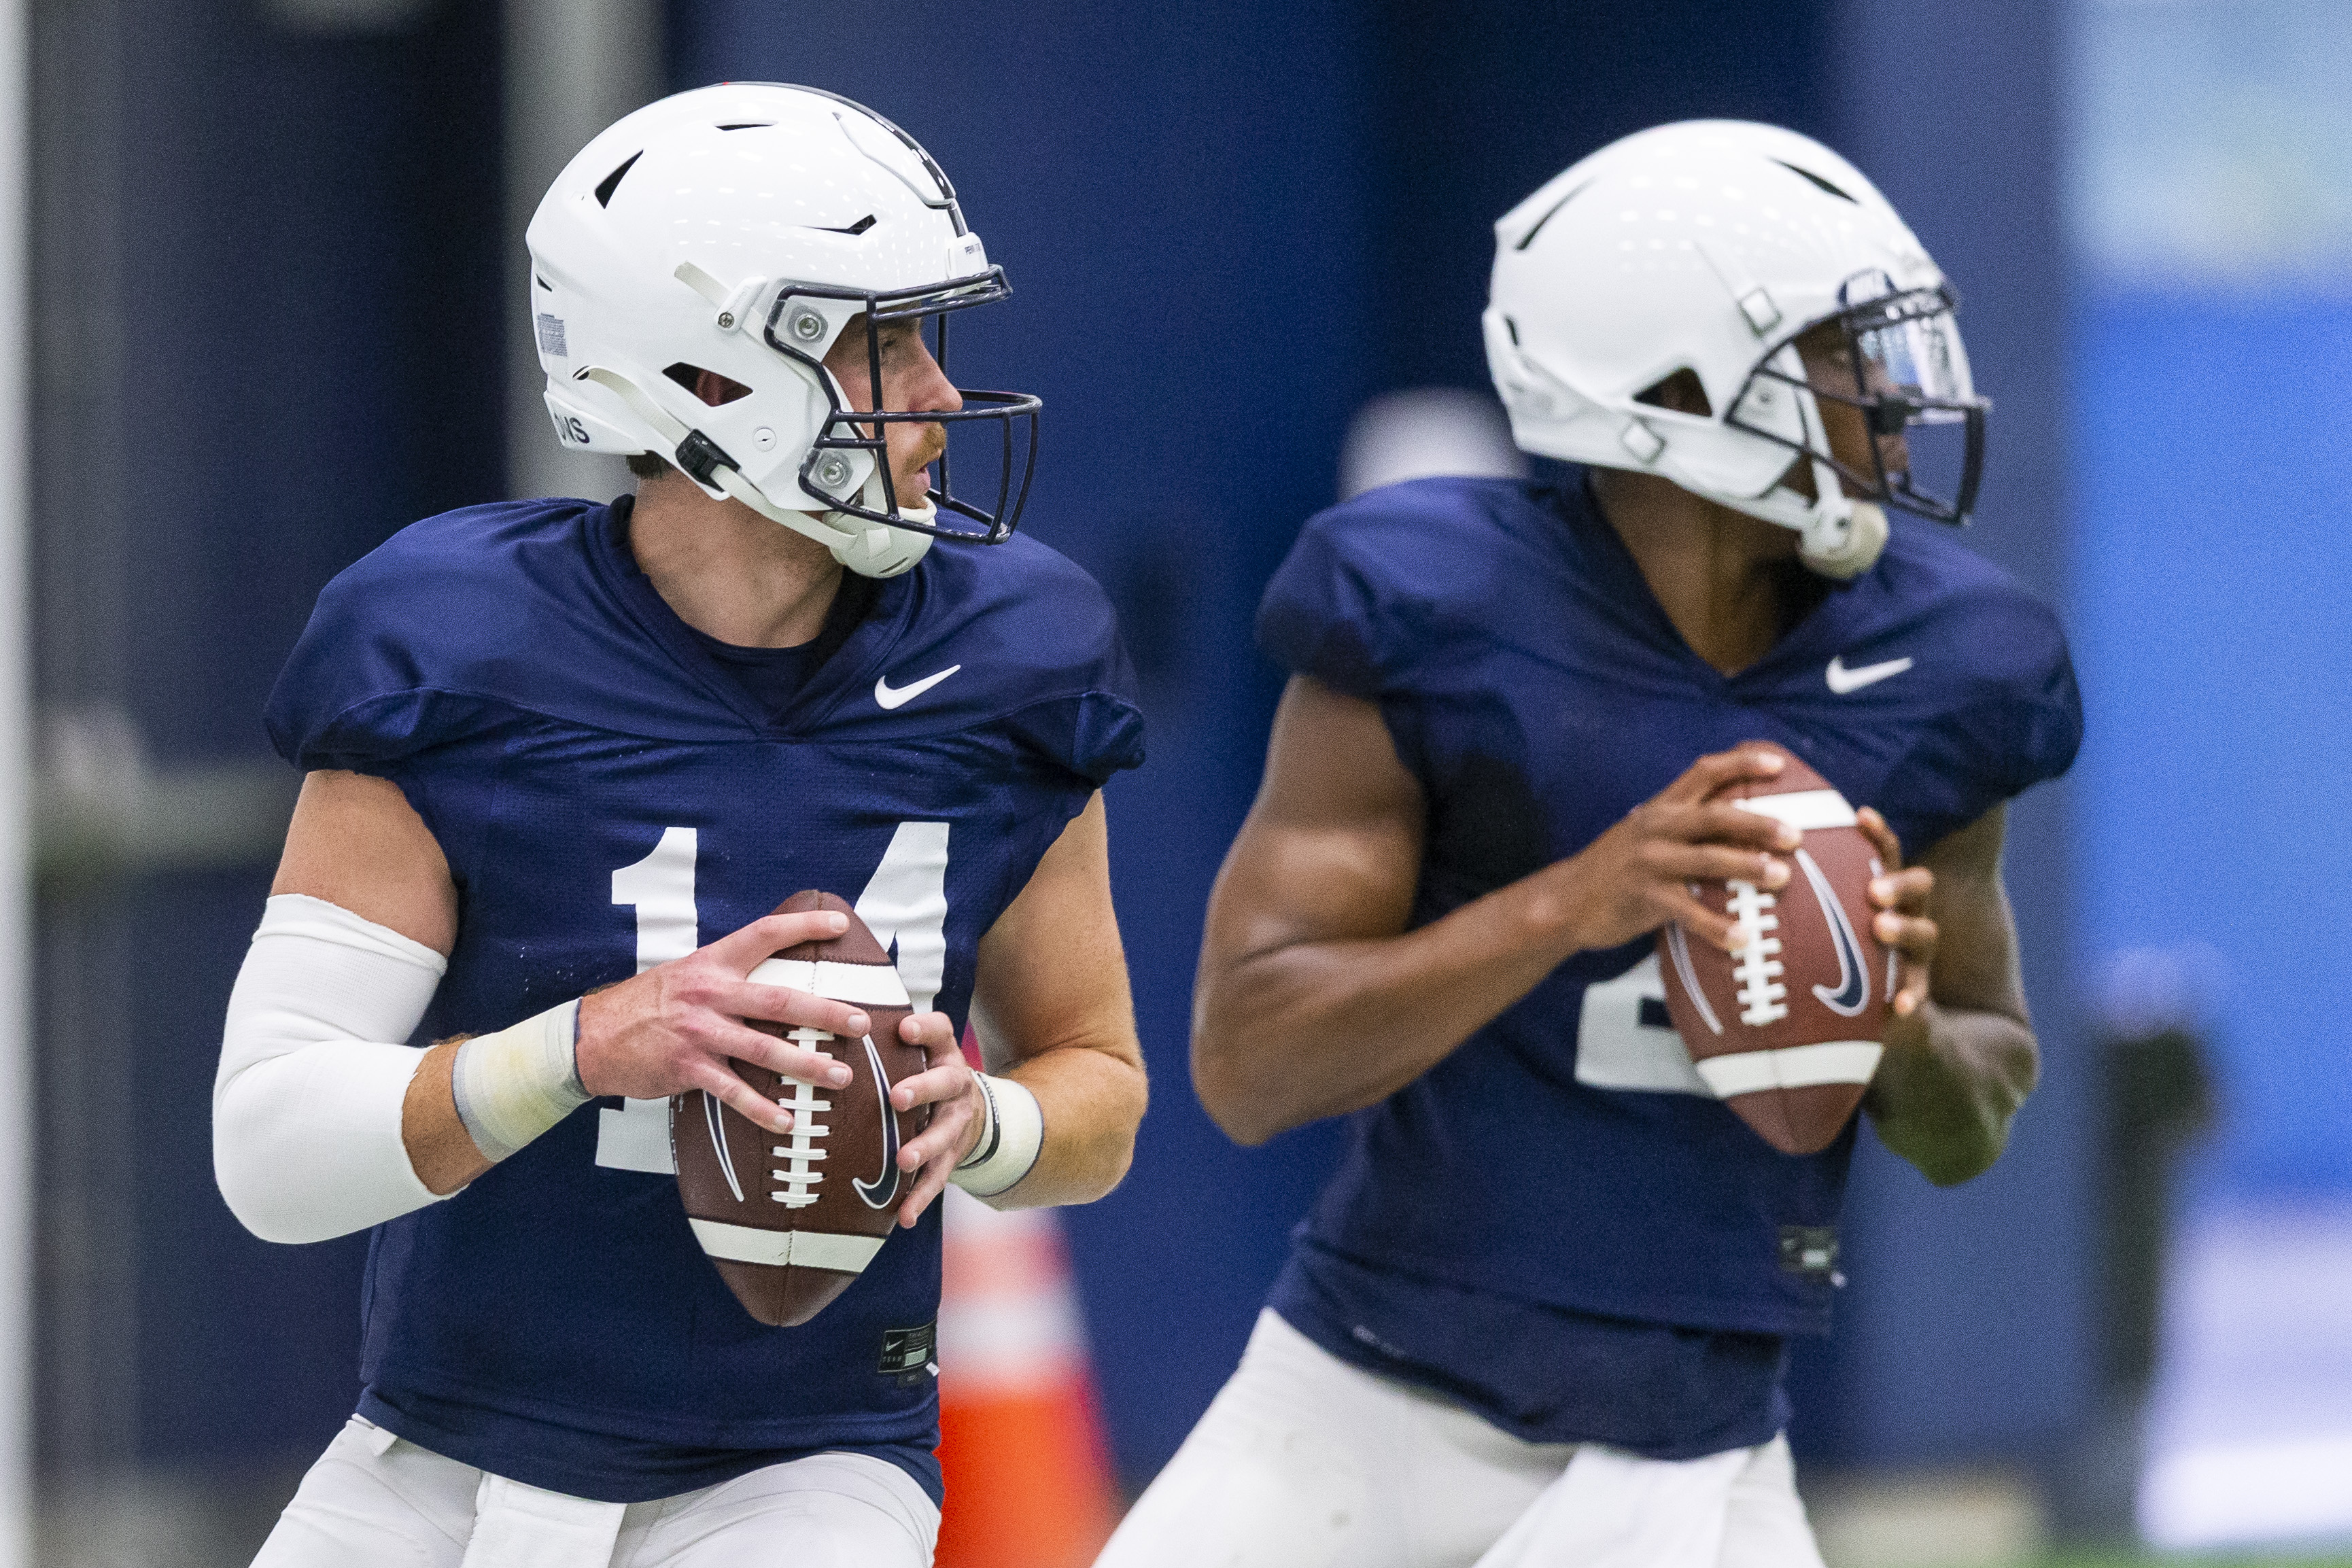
873,551
1838,537
1853,548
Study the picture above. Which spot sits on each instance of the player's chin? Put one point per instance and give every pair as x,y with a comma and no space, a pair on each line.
913,485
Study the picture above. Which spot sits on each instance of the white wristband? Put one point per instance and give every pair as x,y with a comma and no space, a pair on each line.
1008,1143
514,1086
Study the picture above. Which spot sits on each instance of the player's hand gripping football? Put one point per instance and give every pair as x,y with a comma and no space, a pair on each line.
946,1084
1902,924
1636,876
676,1025
679,1025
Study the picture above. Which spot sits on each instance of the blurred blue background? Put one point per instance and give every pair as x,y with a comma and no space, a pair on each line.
2213,409
274,244
2209,202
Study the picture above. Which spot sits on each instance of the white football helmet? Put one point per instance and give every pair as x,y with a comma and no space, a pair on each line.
1703,250
738,229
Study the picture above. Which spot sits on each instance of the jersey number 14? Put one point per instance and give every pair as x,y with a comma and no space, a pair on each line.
905,904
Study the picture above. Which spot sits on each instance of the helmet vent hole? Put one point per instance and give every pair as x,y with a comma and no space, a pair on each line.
1816,179
708,385
1680,393
612,181
859,227
1551,211
748,125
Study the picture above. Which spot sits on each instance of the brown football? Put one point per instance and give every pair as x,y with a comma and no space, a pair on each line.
1786,1028
792,1218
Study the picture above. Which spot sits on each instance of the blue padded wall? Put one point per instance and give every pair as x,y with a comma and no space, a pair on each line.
2217,427
287,246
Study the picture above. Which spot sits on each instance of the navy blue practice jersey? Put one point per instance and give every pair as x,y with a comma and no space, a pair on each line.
1558,1222
610,797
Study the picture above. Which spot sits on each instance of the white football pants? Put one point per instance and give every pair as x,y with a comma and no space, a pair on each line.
374,1500
1304,1461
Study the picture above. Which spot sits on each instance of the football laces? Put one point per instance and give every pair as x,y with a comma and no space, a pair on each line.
1755,965
797,1181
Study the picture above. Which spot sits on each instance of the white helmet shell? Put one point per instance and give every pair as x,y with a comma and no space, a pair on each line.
687,237
1708,247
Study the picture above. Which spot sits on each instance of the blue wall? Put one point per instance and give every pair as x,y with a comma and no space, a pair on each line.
293,351
2215,572
312,291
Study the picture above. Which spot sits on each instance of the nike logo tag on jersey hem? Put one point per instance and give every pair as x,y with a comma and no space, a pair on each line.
889,698
1843,680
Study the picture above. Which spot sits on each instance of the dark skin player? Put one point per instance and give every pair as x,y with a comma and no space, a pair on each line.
1305,942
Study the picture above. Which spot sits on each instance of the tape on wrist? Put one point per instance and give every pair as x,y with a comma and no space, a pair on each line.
1009,1141
514,1086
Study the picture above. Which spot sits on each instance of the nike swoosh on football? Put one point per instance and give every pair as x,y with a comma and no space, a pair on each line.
883,1188
1843,680
1851,993
890,696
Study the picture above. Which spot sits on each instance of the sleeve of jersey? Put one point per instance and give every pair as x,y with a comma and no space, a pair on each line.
1093,724
2024,724
1329,613
2046,722
365,686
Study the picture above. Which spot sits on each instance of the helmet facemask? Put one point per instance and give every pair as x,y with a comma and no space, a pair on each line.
1902,368
830,473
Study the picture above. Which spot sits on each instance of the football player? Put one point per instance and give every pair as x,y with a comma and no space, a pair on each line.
563,759
1541,1312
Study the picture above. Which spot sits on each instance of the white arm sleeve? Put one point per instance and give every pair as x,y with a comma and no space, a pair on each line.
306,1110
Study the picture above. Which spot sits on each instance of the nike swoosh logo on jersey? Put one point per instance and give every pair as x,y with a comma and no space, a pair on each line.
890,696
1851,993
1843,680
879,1192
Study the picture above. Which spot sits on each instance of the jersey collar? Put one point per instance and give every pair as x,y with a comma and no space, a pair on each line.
1612,567
865,622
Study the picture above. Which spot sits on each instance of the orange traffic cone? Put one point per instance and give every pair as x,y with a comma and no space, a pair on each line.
1028,1473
